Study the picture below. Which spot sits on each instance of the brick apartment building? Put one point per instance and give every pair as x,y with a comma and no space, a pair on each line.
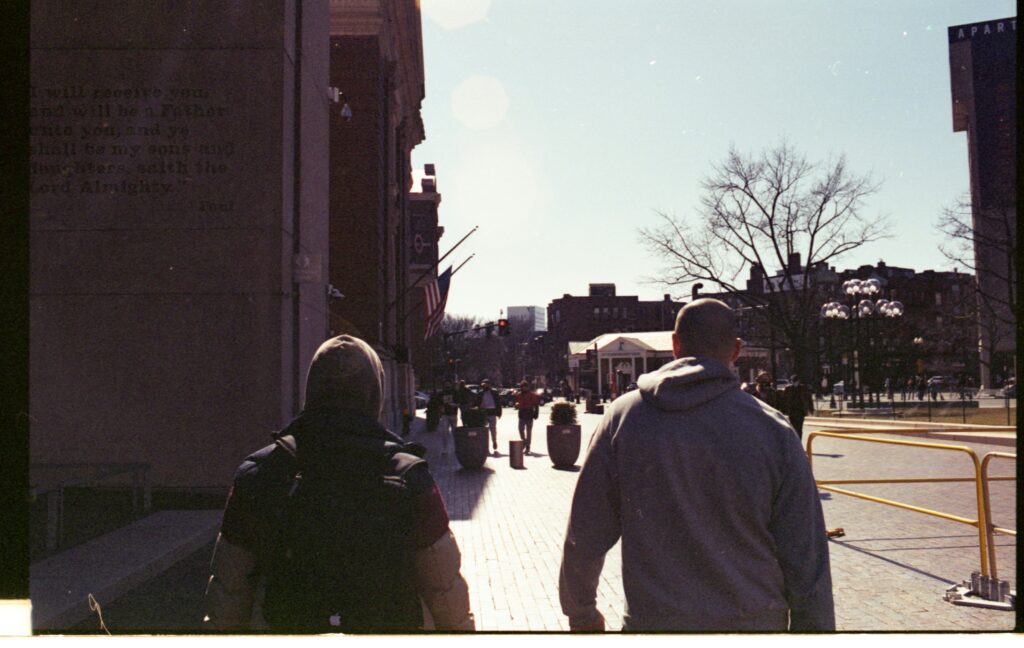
983,81
423,244
577,319
934,336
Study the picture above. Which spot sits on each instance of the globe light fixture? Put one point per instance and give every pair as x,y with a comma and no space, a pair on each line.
862,306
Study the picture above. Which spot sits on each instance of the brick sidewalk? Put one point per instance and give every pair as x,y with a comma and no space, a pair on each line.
889,571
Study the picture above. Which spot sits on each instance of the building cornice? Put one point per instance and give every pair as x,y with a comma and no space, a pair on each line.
398,26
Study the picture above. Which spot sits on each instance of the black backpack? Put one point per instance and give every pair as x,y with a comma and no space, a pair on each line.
340,556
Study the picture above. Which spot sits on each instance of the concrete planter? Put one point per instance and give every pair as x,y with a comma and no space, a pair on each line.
564,445
471,446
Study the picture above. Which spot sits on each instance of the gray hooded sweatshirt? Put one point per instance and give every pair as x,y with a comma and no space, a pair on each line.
711,493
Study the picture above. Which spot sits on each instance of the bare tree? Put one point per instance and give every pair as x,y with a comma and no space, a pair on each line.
759,211
985,242
474,353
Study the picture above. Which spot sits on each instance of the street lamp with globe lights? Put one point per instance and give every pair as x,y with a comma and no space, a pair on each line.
862,307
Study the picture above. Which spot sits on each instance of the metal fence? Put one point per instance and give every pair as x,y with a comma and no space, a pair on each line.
983,523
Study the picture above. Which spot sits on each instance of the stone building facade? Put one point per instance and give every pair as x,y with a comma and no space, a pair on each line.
203,216
178,233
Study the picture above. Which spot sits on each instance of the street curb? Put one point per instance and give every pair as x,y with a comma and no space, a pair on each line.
114,564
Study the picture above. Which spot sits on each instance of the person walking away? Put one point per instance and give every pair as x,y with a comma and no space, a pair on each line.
449,416
434,407
489,402
528,406
464,398
799,403
338,523
763,389
712,496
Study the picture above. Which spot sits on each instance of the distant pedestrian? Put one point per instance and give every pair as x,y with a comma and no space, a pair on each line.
338,524
449,415
712,497
490,403
434,409
464,398
528,405
764,391
798,403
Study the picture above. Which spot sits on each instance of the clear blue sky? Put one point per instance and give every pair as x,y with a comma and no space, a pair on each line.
560,126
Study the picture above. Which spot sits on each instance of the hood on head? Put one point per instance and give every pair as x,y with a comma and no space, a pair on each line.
686,383
346,373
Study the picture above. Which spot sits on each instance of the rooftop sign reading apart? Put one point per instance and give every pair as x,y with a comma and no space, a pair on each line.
959,33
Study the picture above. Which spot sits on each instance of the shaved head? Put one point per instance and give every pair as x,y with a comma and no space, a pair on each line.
706,327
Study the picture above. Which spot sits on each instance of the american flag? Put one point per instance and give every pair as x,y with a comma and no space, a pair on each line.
437,296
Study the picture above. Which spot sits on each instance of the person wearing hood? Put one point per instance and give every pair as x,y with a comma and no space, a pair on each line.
338,525
712,496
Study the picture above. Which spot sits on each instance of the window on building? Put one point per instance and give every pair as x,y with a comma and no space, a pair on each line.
606,312
938,299
597,312
938,320
615,312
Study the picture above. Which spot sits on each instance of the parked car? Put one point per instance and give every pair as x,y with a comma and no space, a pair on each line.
421,399
1010,391
781,384
507,396
943,382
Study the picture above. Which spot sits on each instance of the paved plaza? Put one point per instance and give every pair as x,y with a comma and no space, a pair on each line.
889,571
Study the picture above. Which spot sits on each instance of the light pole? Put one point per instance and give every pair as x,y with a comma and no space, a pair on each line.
862,307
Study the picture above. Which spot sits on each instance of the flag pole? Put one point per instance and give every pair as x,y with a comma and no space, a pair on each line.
463,263
433,267
407,313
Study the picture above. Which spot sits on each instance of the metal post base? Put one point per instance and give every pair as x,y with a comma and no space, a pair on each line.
983,591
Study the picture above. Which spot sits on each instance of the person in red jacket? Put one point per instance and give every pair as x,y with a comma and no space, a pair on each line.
529,409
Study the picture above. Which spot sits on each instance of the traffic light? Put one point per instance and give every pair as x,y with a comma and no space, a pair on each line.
503,327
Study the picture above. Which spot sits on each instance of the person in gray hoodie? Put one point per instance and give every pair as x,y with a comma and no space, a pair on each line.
712,497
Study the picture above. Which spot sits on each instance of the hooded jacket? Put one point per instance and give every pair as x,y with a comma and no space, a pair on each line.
713,498
338,438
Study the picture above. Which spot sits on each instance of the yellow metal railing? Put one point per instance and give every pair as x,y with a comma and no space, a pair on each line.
991,528
980,479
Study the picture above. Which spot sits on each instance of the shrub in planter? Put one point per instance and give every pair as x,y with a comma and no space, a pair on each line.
563,413
471,439
563,435
474,417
